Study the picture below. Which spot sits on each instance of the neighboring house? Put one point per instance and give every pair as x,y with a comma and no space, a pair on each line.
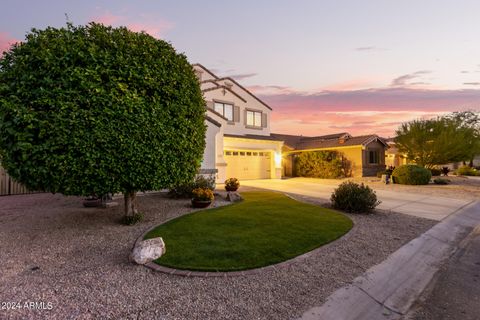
393,157
365,154
239,142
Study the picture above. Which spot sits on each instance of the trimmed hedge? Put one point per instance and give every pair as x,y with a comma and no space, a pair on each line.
354,197
322,164
411,174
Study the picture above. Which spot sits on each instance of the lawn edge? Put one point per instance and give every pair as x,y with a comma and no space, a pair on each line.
234,273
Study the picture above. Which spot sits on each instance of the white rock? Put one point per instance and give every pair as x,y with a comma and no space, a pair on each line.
233,196
148,250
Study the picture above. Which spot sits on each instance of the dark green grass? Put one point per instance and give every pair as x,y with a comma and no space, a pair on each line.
264,229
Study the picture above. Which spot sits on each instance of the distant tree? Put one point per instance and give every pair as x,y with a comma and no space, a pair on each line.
94,109
469,121
434,141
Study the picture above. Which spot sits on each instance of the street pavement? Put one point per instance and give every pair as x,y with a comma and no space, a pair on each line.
456,293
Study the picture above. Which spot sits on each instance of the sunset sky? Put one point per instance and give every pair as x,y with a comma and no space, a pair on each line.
323,66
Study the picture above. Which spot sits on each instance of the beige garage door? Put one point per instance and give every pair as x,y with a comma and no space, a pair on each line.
247,165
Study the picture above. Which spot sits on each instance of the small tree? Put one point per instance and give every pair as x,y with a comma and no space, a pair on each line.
434,141
469,122
95,109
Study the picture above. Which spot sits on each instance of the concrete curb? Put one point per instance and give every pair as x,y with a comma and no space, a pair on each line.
389,289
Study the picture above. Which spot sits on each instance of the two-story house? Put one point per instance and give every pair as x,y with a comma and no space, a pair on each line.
239,142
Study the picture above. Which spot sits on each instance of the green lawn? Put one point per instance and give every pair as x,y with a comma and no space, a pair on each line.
264,229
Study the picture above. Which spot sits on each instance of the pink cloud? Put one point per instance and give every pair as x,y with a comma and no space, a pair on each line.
361,111
107,18
6,41
153,26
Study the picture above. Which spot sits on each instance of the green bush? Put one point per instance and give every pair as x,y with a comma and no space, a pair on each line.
441,181
354,197
322,164
411,174
436,172
467,171
184,190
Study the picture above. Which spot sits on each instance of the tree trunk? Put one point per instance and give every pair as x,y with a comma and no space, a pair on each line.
130,203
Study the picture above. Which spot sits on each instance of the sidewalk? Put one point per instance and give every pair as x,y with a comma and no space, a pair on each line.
390,289
456,293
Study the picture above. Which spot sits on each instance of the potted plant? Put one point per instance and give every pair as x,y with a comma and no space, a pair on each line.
202,197
232,184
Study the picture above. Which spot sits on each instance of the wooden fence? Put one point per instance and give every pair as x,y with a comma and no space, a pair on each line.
8,186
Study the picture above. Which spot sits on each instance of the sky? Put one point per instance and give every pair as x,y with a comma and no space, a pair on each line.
324,66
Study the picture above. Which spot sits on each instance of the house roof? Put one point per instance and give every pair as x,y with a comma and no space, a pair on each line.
227,89
229,79
327,141
253,136
208,71
213,121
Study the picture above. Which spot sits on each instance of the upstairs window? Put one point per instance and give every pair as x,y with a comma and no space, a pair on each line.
254,119
225,109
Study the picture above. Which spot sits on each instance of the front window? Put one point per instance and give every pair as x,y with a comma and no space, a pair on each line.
374,157
225,109
254,119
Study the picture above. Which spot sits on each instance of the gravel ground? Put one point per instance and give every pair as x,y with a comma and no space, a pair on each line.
75,260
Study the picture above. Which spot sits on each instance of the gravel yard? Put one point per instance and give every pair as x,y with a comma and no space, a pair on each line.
55,251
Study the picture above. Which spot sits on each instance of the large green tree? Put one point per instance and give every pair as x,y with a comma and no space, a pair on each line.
469,121
94,109
435,141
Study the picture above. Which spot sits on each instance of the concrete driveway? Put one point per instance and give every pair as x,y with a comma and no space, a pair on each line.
420,205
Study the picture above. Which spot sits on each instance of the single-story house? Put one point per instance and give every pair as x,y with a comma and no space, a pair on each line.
365,154
239,142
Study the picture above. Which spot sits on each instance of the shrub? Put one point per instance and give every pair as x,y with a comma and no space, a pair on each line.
185,190
411,174
354,197
467,171
322,164
202,194
436,172
232,184
441,181
445,171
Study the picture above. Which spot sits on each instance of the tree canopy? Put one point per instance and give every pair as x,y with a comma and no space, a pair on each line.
440,140
94,109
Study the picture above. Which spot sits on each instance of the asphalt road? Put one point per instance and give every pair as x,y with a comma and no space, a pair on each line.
456,293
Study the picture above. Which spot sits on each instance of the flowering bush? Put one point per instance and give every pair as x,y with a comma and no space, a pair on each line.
202,194
232,184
